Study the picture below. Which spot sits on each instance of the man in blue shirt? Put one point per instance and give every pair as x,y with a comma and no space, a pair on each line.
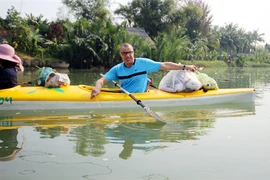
133,72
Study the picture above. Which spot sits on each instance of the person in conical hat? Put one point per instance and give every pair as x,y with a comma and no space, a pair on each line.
8,63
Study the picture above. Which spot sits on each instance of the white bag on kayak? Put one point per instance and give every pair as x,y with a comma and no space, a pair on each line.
171,83
57,80
179,81
193,84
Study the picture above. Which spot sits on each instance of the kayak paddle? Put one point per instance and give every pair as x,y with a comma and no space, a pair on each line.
139,102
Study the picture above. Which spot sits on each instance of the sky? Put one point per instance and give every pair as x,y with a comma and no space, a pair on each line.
247,14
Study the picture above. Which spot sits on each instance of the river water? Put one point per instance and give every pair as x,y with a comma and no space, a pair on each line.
215,142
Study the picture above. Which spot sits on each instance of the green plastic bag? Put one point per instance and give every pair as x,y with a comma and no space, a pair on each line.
208,83
42,74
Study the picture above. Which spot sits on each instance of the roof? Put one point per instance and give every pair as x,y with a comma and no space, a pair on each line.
141,32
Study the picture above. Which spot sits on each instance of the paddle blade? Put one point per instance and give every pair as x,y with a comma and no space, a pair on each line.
153,114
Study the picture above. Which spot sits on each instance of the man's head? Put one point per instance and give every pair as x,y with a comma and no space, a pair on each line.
127,54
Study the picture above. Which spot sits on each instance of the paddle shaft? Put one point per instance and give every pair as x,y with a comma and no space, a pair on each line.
147,109
130,95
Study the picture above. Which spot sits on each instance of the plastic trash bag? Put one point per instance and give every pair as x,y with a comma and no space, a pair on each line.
42,74
180,81
57,80
49,77
208,83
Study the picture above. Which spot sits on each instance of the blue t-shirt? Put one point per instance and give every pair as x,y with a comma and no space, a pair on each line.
133,79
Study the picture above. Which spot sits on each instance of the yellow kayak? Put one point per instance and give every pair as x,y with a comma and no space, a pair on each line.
78,97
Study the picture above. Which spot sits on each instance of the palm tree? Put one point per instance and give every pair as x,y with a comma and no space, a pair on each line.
257,37
229,38
214,39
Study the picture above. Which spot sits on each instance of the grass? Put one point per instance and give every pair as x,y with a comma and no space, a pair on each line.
24,56
32,61
206,64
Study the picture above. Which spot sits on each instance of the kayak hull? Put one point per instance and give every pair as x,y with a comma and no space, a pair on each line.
78,97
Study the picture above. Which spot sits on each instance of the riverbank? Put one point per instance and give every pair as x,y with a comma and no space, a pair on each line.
219,63
33,62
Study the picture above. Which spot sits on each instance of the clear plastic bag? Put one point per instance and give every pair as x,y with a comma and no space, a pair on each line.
179,81
57,80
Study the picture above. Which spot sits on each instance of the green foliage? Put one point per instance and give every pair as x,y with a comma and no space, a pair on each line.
267,47
92,10
38,23
154,16
212,55
171,47
178,31
18,32
193,14
240,60
13,18
205,64
56,32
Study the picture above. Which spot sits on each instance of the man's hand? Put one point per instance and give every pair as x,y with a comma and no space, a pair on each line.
191,67
94,93
97,88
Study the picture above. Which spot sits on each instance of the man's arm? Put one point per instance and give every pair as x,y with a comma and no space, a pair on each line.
97,88
174,66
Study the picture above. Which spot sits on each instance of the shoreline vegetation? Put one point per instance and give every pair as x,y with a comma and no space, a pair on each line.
162,30
34,62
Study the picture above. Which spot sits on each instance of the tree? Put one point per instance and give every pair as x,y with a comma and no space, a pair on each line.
92,10
257,37
38,23
56,32
154,16
267,47
18,31
173,46
214,39
199,24
229,35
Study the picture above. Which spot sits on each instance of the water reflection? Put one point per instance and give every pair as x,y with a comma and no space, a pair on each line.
90,133
127,149
9,144
89,140
52,132
139,136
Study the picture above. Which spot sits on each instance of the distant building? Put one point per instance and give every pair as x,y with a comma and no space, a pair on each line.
141,32
138,31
